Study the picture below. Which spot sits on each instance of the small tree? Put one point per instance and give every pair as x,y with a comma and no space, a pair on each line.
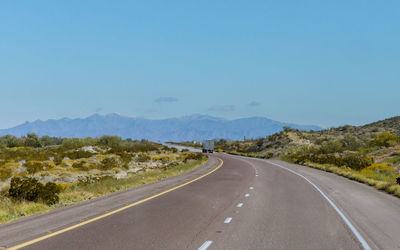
111,141
331,146
32,140
350,142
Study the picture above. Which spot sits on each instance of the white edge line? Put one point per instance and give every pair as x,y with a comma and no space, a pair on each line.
205,245
228,220
348,223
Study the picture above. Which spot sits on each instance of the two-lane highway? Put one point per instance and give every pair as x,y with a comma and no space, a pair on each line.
244,204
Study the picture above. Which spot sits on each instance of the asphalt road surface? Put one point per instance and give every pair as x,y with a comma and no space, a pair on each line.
244,204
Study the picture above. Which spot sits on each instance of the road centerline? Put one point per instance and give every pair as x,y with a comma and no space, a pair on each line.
116,210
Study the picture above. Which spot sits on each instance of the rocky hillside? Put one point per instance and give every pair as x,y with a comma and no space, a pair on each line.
379,140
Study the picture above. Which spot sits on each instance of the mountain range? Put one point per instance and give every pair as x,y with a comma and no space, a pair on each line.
186,128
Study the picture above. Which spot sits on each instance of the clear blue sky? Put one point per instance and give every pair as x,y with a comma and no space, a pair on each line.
326,63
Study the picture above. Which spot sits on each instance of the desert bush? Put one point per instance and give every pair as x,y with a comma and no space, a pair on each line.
357,161
5,173
108,163
133,147
379,172
193,156
50,141
125,157
162,158
354,161
78,154
73,143
110,141
269,155
385,139
351,142
33,167
81,165
49,193
11,141
32,140
143,158
31,189
18,154
86,180
330,147
58,159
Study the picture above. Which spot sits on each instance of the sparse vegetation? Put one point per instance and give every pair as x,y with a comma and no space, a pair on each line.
41,173
369,153
30,189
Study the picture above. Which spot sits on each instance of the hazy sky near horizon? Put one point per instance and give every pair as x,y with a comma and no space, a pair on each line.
325,63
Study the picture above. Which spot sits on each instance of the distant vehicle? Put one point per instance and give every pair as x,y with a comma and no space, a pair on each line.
208,146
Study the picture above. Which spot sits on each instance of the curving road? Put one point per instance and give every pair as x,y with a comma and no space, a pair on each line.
244,204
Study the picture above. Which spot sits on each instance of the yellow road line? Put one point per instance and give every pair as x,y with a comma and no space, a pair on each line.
114,211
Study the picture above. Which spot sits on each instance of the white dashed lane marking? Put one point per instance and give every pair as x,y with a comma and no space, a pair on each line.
227,220
246,195
239,205
205,245
251,188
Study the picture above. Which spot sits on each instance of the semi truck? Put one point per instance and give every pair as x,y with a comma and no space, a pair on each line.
208,146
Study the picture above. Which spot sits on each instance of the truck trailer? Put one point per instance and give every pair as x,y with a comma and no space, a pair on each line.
208,146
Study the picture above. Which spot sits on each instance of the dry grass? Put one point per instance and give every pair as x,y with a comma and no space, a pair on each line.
381,177
11,209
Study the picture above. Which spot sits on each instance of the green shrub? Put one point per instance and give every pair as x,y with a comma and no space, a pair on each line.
86,180
73,143
31,189
5,173
357,161
125,157
110,141
80,165
354,161
330,147
143,158
11,141
33,167
32,140
58,159
379,171
108,163
78,154
49,193
351,142
193,156
269,155
385,139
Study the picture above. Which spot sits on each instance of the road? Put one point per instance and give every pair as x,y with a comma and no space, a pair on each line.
243,203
